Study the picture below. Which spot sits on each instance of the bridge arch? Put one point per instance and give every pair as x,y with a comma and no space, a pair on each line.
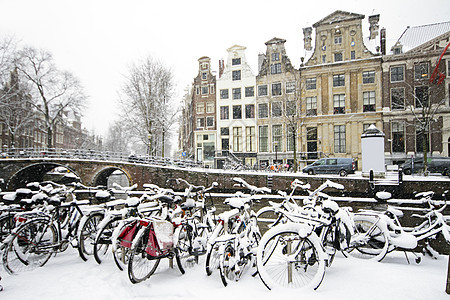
34,172
104,177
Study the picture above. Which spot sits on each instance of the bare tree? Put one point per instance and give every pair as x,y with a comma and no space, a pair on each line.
15,106
147,104
117,138
53,91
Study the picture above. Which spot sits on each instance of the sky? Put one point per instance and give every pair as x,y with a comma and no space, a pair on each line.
98,40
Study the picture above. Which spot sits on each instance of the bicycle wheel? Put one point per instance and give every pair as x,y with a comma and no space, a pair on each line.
6,226
267,218
185,254
226,266
369,241
291,256
121,253
31,247
212,259
87,234
103,240
140,264
327,238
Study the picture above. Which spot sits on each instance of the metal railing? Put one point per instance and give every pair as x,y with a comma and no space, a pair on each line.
88,154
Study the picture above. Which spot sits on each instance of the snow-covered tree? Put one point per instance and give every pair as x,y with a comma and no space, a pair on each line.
147,103
16,112
53,91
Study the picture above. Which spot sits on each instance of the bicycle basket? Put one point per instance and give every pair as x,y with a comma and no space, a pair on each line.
127,235
160,238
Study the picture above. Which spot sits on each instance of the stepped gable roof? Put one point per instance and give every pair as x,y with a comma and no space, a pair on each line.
416,36
275,40
338,16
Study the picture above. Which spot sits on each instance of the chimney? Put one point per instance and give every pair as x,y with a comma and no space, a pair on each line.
221,67
383,41
307,32
261,57
373,28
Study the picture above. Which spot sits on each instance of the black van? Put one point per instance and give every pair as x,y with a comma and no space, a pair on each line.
338,165
435,164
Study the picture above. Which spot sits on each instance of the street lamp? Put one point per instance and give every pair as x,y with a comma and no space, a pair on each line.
276,151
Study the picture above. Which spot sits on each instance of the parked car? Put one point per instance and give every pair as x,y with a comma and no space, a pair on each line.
435,164
338,165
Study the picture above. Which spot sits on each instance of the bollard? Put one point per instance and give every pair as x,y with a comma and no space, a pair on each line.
447,290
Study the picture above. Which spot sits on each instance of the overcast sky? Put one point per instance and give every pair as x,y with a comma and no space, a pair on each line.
97,40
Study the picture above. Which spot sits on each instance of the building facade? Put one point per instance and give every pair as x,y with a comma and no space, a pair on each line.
277,106
340,86
235,100
204,112
415,108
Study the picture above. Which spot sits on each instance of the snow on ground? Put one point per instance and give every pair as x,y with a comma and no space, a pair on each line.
66,276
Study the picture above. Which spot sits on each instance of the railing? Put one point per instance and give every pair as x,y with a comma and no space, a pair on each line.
87,154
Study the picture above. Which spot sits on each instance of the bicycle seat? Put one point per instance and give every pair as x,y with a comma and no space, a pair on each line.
395,211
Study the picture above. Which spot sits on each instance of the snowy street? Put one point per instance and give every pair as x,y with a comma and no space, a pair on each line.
66,276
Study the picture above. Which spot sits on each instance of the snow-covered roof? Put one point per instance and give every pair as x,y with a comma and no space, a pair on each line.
415,36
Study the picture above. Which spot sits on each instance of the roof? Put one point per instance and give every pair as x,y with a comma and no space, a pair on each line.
415,36
338,16
275,40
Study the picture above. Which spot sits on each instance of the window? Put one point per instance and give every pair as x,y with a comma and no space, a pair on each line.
275,68
224,94
324,59
200,108
352,54
277,138
311,83
200,122
397,74
204,75
369,101
236,75
263,138
197,90
421,96
338,39
250,144
338,56
290,136
236,93
311,106
277,109
237,112
224,131
290,87
339,104
237,139
210,107
276,89
236,61
210,121
311,142
224,112
211,89
263,110
397,98
249,91
339,80
398,137
276,56
262,90
368,77
339,139
249,111
205,90
421,71
291,108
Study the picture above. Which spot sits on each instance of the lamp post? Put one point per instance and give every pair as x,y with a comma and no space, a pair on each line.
276,151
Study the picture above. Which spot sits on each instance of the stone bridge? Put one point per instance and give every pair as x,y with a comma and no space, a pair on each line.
16,172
